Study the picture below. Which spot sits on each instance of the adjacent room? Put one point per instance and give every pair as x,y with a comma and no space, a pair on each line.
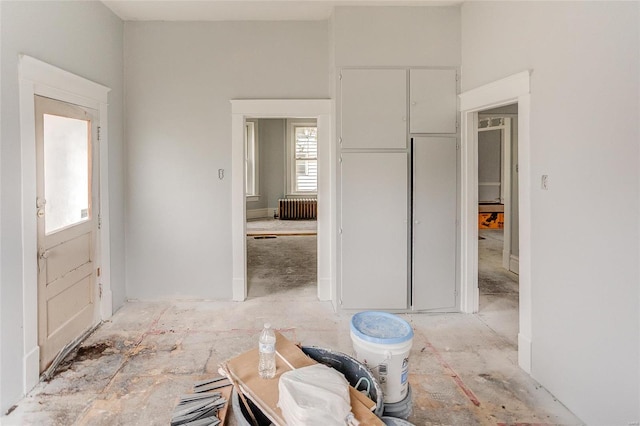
175,175
281,191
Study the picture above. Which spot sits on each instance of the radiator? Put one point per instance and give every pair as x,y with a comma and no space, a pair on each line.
298,208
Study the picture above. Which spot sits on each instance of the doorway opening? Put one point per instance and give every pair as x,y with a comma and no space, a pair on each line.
281,186
498,220
514,89
320,110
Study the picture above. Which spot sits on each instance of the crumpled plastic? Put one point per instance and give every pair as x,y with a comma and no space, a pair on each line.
316,395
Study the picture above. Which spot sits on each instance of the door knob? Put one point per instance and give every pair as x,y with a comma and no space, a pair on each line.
40,213
44,254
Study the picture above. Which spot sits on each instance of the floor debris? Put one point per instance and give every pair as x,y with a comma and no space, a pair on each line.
203,408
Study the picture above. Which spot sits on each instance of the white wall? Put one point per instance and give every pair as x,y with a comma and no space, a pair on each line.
84,38
180,78
585,136
273,166
271,163
397,36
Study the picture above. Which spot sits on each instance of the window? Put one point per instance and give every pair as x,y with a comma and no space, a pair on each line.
302,158
67,171
251,160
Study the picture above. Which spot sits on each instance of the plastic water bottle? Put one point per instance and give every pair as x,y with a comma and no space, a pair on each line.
267,349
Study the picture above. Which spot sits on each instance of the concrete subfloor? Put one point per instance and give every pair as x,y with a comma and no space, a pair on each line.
132,370
498,287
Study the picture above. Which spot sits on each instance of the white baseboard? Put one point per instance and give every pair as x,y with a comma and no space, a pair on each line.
31,369
524,352
238,290
259,213
514,264
106,304
324,289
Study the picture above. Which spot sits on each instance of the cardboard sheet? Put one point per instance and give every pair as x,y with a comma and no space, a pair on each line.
264,392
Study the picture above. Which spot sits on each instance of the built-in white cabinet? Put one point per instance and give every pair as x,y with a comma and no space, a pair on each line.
397,208
434,222
374,230
433,100
374,109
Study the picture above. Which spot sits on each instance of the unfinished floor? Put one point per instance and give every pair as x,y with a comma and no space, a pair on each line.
463,368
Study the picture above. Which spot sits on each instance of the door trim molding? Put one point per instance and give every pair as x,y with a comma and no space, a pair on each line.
515,88
285,108
39,78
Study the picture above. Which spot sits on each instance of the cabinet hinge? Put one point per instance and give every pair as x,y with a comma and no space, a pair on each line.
340,231
98,133
99,222
100,290
340,140
340,76
340,160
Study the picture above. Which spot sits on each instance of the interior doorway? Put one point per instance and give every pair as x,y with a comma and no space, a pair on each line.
498,219
509,90
321,110
281,186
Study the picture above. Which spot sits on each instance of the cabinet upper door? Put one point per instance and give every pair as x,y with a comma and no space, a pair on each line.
433,101
374,108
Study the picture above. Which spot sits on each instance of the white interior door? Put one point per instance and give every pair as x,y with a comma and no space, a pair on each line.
67,209
434,223
374,245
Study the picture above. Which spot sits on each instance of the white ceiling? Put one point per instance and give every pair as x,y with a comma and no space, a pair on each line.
245,10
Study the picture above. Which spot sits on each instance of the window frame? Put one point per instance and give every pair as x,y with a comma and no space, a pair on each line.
251,155
290,188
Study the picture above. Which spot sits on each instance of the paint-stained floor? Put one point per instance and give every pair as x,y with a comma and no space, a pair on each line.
133,369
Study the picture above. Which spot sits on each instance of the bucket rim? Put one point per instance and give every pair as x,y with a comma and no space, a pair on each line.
357,319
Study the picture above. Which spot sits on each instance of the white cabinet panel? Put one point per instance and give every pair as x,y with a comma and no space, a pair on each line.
374,245
433,101
374,108
434,227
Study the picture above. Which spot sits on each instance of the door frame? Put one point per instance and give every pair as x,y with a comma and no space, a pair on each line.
512,89
321,110
39,78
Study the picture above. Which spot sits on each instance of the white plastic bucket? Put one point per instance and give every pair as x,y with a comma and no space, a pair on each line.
382,342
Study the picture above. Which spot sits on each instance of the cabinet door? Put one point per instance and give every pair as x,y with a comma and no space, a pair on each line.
434,227
374,109
374,243
433,101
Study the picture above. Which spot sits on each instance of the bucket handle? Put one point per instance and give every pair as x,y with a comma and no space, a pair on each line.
388,356
368,390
